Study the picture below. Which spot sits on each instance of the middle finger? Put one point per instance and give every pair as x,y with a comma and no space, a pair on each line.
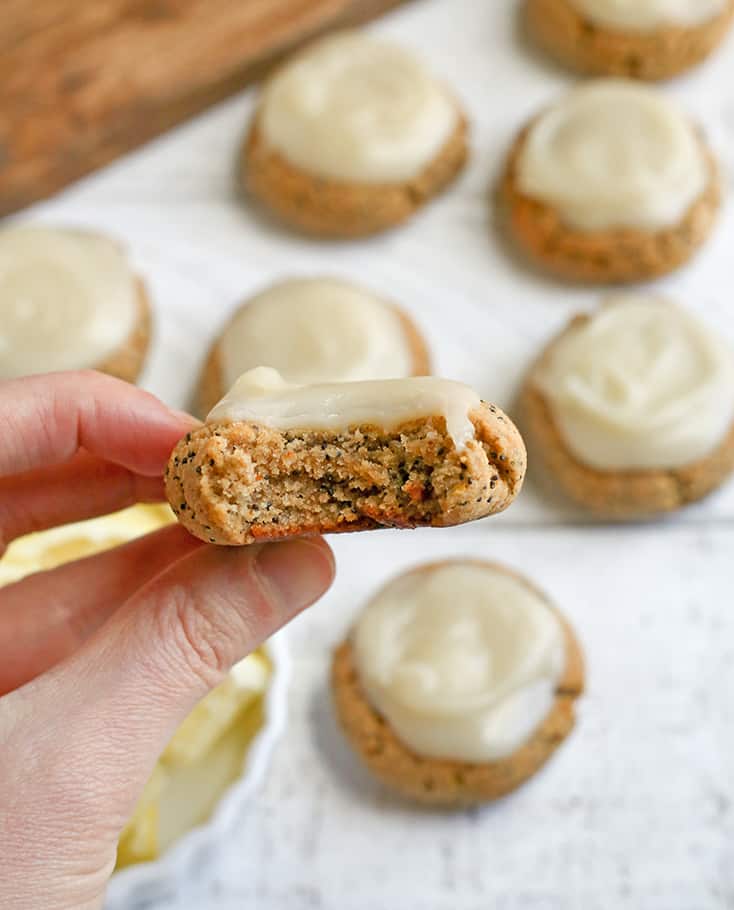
47,616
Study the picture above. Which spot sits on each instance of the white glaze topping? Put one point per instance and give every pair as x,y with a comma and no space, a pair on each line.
642,385
317,330
613,154
262,396
356,108
648,15
68,299
462,660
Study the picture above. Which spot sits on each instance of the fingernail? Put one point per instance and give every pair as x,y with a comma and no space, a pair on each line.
297,572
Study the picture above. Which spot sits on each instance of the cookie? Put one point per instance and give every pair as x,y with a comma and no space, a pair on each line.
609,185
69,300
276,461
630,411
458,722
314,330
324,171
637,41
128,360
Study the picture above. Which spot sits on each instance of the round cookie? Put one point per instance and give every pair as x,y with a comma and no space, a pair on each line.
646,431
69,300
350,137
636,40
128,360
609,185
314,330
448,781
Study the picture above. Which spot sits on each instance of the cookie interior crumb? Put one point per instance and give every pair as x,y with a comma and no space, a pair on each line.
243,481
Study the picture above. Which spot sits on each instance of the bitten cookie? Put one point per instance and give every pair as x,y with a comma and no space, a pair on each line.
457,683
351,136
68,301
631,409
610,184
314,330
275,460
640,40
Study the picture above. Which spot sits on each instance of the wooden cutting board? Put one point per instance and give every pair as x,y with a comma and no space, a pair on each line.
84,81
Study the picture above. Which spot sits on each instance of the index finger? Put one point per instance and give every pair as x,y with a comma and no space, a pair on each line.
46,419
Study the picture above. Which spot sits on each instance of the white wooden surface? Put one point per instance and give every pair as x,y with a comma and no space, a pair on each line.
637,809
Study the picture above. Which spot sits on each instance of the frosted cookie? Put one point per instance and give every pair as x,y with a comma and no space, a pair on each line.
314,330
457,683
610,184
631,409
275,460
641,39
69,300
351,136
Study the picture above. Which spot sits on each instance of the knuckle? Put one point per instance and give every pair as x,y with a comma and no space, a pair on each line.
263,612
205,630
198,638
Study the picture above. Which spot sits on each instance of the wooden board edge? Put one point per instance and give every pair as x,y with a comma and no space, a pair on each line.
134,131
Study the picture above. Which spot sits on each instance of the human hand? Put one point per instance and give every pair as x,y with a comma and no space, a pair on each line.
102,658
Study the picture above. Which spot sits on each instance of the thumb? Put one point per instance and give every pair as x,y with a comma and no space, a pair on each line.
179,635
96,724
177,638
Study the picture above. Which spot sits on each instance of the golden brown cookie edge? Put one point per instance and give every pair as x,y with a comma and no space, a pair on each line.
340,209
601,257
576,42
128,360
